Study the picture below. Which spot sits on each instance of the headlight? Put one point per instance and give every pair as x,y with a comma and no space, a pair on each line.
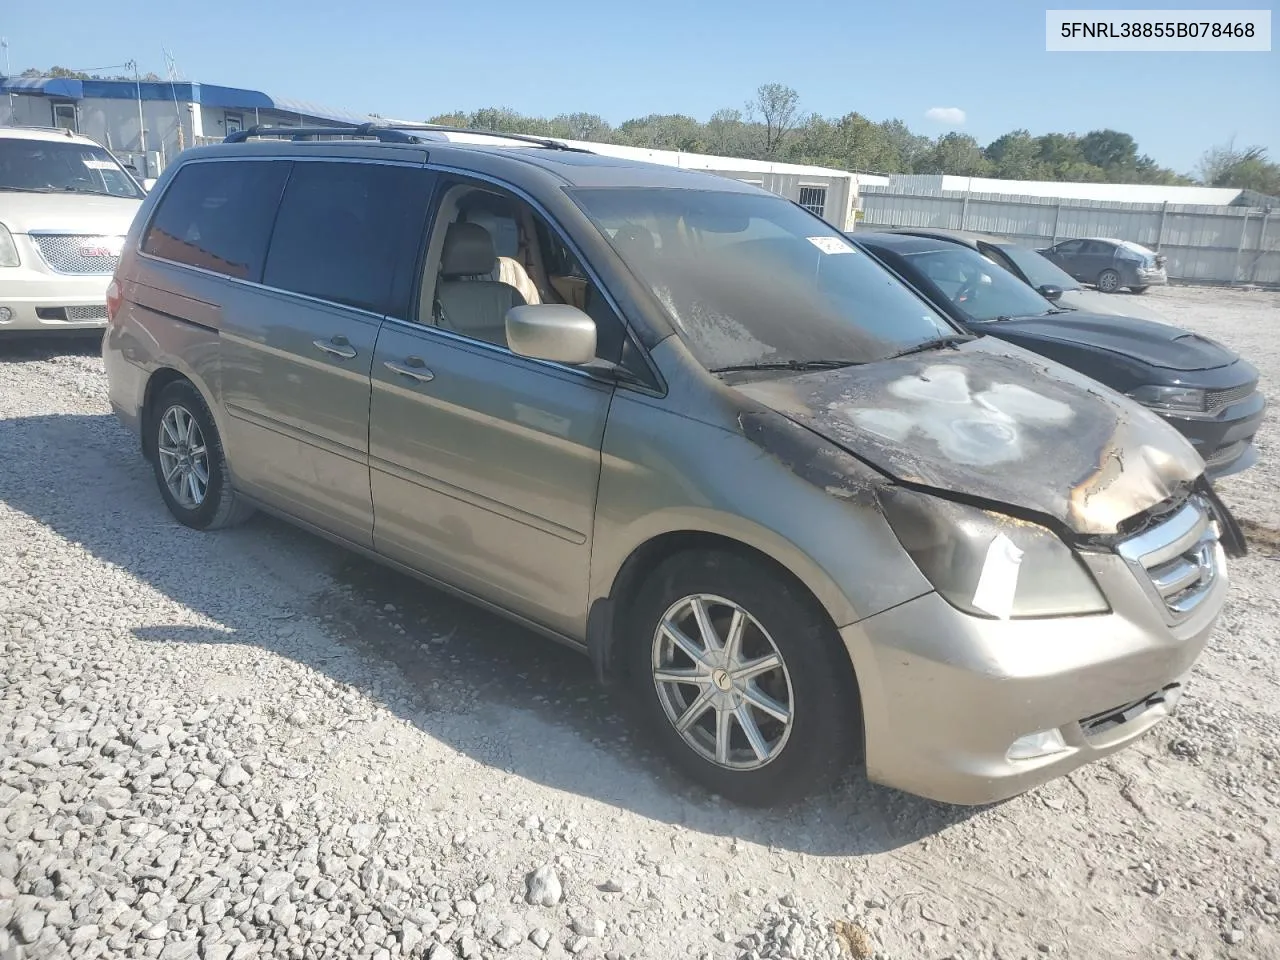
8,249
1170,398
988,564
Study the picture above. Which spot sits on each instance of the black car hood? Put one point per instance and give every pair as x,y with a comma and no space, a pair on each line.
993,421
1149,342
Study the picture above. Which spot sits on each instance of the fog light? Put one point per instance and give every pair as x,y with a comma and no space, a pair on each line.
1036,745
5,314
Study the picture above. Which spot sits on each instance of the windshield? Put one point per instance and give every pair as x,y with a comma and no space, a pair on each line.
1038,270
55,166
750,278
977,286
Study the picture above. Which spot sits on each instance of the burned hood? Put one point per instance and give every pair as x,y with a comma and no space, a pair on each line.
993,421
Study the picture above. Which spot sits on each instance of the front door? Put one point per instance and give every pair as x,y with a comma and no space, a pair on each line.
297,353
485,464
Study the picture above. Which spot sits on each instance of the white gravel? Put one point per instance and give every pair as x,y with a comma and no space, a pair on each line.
251,744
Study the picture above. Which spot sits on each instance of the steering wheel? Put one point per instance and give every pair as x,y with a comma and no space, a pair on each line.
966,291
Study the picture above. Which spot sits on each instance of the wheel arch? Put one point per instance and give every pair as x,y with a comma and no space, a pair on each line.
157,381
608,609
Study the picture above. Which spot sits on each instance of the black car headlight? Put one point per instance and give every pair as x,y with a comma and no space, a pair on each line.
989,564
1157,397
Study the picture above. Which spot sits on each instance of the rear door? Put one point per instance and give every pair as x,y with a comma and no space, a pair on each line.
296,358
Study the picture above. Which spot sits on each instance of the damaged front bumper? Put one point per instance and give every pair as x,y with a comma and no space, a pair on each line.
969,710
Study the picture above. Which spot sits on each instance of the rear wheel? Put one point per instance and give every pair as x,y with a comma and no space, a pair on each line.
1108,281
190,467
743,678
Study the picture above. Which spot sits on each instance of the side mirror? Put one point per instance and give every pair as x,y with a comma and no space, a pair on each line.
551,331
148,183
1050,291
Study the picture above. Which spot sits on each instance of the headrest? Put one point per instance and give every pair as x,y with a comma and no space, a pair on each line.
634,239
468,251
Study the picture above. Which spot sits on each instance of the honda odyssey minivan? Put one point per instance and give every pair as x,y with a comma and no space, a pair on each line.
684,426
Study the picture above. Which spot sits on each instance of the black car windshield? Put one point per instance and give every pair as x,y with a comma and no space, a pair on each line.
749,278
58,166
977,286
1038,270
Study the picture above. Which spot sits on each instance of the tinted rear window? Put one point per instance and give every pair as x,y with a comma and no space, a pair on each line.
342,230
218,215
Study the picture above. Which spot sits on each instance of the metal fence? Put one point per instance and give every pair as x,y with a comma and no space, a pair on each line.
1202,243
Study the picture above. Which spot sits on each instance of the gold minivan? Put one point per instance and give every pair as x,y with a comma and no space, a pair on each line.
682,425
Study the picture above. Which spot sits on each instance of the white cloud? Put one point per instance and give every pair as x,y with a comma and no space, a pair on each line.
950,116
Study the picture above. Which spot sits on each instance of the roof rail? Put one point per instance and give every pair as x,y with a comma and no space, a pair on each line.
391,133
385,134
548,142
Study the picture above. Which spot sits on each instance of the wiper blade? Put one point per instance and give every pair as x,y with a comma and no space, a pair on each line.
951,340
787,365
30,189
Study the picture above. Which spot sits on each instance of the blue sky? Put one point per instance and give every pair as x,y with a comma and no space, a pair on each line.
412,60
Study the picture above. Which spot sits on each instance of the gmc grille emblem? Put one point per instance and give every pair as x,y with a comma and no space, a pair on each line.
96,252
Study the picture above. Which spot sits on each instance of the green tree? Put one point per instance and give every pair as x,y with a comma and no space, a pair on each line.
779,108
957,154
57,72
1247,169
584,126
910,149
1015,156
658,131
1109,149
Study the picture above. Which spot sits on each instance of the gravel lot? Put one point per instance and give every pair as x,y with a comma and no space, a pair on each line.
251,744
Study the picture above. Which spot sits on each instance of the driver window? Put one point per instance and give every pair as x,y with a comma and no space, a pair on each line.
490,251
947,274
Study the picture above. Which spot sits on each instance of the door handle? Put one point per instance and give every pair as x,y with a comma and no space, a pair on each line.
412,368
338,346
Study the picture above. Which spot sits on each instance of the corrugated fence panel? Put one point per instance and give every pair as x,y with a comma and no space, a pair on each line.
1212,244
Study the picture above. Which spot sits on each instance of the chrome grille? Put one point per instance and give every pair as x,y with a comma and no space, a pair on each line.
1215,400
1179,560
76,253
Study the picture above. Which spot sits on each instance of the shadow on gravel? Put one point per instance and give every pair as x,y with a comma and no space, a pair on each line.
24,349
531,707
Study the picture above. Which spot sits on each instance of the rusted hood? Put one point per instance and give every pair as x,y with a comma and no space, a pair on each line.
991,420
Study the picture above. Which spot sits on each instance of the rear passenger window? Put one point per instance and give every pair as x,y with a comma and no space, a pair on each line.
341,232
218,216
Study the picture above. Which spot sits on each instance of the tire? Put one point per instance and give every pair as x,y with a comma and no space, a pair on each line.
212,504
815,685
1139,289
1109,281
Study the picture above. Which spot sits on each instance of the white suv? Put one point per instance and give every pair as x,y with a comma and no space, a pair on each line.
65,207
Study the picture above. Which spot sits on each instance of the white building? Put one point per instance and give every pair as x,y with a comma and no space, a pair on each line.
831,194
149,123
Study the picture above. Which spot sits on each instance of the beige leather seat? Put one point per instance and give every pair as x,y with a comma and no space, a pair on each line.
512,272
467,301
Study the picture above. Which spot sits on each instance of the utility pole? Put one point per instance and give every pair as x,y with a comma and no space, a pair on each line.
142,129
8,74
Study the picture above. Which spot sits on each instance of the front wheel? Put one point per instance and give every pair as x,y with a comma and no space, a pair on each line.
743,678
1108,281
190,466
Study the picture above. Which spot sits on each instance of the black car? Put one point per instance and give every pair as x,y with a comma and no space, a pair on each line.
1204,389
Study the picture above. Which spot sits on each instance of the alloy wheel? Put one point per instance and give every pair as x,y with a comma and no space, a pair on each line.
722,682
184,457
